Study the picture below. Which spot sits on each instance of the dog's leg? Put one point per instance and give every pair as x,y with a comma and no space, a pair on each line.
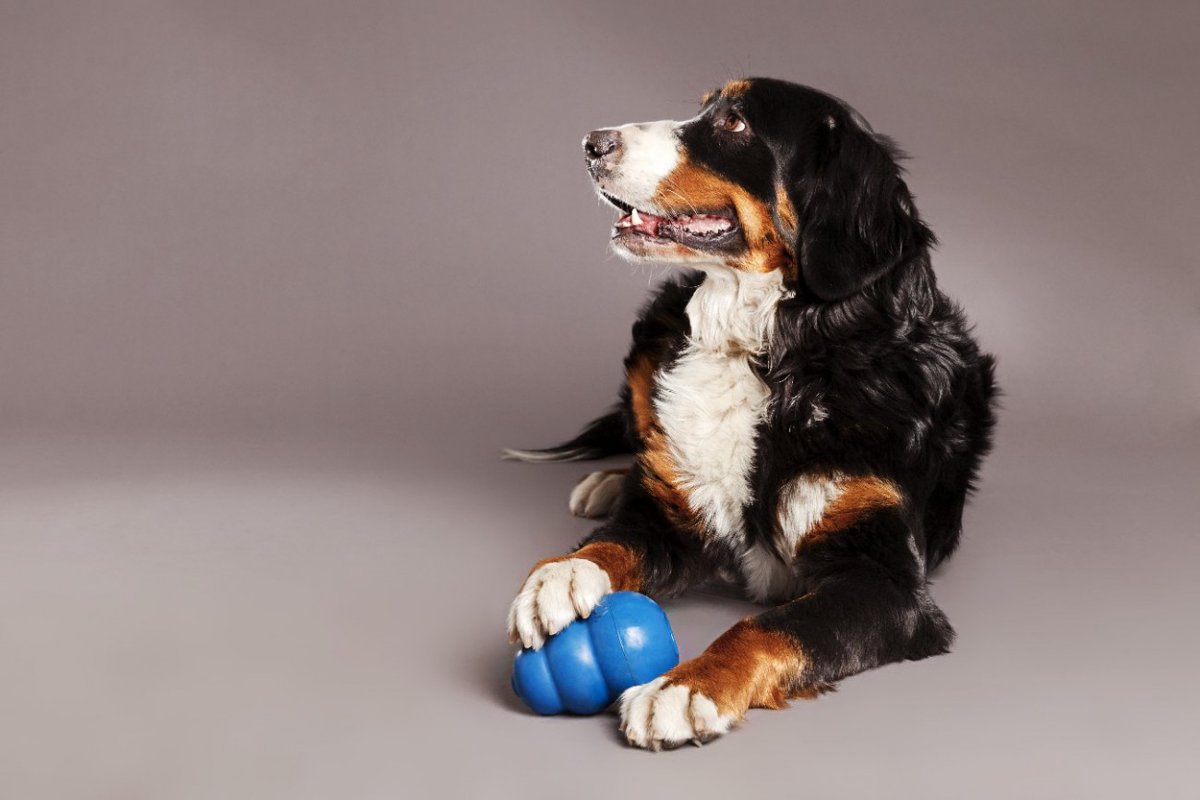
596,494
865,605
638,549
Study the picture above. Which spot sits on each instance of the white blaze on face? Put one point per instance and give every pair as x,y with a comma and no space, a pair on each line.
650,151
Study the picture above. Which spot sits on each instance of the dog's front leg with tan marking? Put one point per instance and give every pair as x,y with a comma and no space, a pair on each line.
638,550
866,604
559,590
747,667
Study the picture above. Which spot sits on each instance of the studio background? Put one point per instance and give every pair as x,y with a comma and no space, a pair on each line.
279,279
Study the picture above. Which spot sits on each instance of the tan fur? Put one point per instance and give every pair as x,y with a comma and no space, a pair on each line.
624,567
746,667
858,497
786,211
658,466
735,88
640,376
729,91
691,187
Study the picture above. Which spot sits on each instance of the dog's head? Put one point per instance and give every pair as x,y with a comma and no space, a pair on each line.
768,176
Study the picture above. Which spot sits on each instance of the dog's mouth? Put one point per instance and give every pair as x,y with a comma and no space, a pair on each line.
699,230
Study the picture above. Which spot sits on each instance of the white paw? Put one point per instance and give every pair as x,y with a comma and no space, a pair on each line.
553,596
655,716
595,495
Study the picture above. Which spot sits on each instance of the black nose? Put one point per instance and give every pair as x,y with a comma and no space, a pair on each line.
600,144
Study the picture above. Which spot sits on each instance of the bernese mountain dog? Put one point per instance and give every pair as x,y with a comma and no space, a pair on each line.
806,411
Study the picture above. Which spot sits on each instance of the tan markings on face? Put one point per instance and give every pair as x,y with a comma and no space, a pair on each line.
659,472
624,566
692,187
858,497
746,667
735,89
708,97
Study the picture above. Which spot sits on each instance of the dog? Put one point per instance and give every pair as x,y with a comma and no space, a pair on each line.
806,411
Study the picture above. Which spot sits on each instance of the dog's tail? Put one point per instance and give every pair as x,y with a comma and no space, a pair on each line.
603,436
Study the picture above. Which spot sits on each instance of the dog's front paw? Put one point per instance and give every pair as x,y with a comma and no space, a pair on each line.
596,495
555,594
662,714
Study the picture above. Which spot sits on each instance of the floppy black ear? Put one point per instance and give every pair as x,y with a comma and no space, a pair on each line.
856,218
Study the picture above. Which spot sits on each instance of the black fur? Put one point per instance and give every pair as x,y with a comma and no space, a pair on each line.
604,436
873,373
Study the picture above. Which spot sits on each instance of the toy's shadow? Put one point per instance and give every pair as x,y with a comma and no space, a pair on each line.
491,674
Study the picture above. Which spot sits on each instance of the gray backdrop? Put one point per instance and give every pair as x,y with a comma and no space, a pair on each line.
279,278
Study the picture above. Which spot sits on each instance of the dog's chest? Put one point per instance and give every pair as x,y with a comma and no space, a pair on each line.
709,405
709,402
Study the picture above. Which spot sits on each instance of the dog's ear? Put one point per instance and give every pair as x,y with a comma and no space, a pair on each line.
854,215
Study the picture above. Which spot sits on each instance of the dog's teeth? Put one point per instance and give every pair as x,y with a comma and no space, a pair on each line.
633,215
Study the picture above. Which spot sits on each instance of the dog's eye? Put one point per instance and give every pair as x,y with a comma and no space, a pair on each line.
732,123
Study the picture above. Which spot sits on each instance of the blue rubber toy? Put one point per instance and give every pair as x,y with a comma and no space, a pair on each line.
626,641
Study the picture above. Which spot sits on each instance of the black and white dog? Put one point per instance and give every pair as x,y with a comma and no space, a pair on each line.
806,411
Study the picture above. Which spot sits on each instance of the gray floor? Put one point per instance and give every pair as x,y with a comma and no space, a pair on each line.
278,280
207,618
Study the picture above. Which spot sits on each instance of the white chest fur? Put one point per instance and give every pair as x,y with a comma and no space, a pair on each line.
802,504
709,402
